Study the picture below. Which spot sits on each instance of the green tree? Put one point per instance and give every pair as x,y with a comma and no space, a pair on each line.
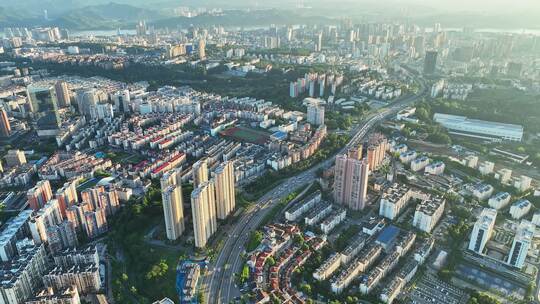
254,240
306,288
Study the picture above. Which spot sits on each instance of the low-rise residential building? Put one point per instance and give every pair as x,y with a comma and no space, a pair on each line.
354,247
471,161
328,267
395,198
523,183
320,211
298,208
435,168
334,219
486,167
482,191
504,175
365,259
499,200
520,208
428,213
419,163
407,156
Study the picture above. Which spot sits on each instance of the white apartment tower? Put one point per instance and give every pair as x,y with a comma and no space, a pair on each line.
200,172
173,210
225,194
522,243
203,208
315,114
482,230
351,180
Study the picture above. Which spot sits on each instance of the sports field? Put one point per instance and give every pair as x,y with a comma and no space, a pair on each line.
246,134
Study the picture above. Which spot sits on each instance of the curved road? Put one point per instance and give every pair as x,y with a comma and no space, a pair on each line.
219,283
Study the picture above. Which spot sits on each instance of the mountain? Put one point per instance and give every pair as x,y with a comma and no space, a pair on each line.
104,16
243,18
11,17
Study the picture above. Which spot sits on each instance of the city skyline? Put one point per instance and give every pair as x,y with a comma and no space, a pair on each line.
301,152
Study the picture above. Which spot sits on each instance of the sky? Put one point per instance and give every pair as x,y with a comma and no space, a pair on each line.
478,5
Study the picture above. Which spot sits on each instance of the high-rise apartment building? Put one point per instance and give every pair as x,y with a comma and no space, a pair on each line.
87,101
39,195
376,148
21,277
351,180
200,172
482,230
202,49
67,196
44,106
315,114
225,193
394,199
318,42
62,93
173,209
428,213
203,208
69,295
15,158
47,216
5,126
430,62
62,236
102,197
122,100
84,276
95,222
521,244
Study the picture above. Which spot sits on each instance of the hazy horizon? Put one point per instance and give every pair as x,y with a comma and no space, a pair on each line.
441,6
76,14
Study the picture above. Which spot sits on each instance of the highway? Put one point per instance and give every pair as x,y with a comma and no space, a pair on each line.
219,284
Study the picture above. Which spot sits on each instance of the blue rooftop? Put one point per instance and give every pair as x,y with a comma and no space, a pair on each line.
280,135
388,235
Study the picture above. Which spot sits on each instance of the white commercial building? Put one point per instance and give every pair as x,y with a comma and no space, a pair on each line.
315,114
482,230
461,125
522,243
